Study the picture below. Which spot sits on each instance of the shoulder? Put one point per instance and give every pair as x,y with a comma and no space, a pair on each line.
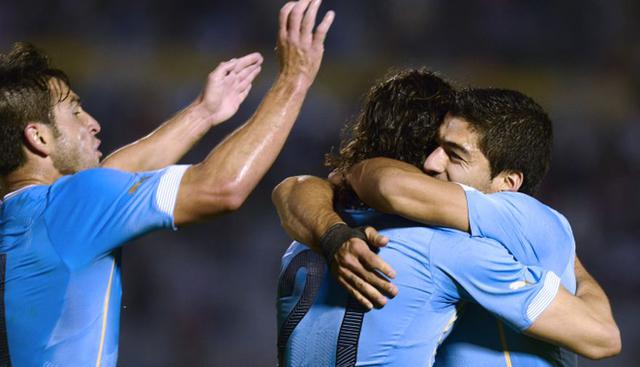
96,179
539,217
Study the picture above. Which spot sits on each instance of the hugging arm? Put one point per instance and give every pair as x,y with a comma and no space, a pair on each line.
529,298
396,187
226,88
305,208
583,323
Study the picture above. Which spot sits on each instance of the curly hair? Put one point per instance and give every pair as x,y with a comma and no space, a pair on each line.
399,119
25,95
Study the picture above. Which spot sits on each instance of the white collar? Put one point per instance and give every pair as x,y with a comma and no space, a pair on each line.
14,193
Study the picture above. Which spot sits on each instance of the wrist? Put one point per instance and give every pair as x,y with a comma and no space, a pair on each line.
336,236
199,111
295,82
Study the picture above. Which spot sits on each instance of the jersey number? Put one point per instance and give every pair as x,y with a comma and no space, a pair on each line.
347,346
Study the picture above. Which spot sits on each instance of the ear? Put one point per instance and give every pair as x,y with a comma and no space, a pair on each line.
39,138
507,181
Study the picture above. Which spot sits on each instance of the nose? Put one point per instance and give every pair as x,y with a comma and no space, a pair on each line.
94,126
436,162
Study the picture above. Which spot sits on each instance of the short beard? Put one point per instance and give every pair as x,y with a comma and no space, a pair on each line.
67,159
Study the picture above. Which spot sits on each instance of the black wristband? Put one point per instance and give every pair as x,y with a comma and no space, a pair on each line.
336,236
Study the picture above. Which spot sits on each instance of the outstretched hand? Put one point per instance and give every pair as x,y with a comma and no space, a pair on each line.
300,49
228,85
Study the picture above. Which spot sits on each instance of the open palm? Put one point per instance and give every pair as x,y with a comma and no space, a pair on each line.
228,86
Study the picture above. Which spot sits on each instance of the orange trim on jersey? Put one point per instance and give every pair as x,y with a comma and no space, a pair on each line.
105,313
503,341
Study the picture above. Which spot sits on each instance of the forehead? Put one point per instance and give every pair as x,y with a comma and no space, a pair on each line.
456,129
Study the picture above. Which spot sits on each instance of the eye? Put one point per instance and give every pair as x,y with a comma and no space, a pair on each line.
454,156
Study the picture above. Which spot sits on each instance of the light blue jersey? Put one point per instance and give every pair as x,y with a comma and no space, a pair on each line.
537,236
60,262
319,325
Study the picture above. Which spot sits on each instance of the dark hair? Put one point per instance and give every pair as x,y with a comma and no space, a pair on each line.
399,119
25,96
515,132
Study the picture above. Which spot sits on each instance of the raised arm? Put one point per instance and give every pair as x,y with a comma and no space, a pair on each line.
582,323
230,172
226,88
305,208
397,187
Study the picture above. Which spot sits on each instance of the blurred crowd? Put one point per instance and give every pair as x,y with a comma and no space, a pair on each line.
205,296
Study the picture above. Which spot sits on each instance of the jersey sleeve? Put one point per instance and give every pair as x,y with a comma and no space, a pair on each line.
533,232
95,211
482,271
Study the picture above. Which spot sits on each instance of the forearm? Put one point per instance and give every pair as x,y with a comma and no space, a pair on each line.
399,188
572,322
592,293
164,146
305,207
230,172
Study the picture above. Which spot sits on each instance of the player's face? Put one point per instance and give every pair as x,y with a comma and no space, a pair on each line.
458,157
76,145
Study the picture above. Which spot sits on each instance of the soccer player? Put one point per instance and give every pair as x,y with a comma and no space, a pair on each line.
471,268
63,222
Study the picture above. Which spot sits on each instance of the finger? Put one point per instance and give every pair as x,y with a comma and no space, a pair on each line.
365,289
223,68
323,28
355,294
309,21
374,238
284,18
374,262
247,61
372,277
295,18
245,72
336,177
248,79
244,93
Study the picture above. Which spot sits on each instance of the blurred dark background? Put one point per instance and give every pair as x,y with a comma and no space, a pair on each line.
205,296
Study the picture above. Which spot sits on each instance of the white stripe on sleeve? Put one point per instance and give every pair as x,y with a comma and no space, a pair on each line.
167,192
543,299
465,187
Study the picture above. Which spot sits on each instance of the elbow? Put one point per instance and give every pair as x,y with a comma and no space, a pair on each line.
282,190
234,194
613,346
225,198
233,202
609,345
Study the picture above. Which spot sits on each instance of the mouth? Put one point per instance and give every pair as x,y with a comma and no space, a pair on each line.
98,142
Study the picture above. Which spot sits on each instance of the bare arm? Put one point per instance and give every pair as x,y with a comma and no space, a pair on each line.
397,187
227,87
305,208
230,172
582,323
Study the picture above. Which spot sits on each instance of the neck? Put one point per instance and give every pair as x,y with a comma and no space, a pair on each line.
27,175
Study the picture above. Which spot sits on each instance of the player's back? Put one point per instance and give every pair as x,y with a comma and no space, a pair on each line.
436,268
319,325
53,306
